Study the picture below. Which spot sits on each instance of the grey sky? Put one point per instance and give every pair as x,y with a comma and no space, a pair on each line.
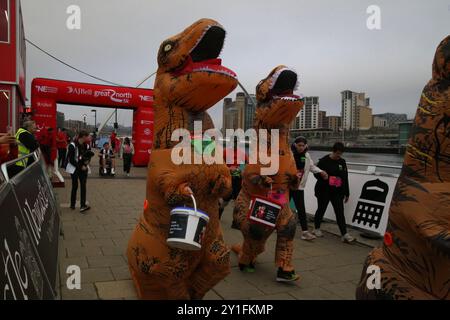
325,41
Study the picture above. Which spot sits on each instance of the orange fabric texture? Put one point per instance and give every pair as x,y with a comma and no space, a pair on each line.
415,259
183,92
275,110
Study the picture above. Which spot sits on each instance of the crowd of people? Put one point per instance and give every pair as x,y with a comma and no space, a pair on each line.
330,172
74,155
70,153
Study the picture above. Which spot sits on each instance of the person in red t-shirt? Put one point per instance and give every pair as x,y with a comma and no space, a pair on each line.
45,139
113,140
61,145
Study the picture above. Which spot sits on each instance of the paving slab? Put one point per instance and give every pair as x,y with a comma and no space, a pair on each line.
97,243
116,289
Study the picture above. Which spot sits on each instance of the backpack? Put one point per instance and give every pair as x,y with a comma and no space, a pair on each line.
66,159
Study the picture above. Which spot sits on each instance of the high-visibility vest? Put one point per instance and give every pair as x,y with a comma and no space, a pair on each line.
23,151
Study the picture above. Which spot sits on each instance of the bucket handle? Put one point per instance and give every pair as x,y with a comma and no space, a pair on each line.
195,203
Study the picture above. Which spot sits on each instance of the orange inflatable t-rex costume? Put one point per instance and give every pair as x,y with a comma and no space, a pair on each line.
277,107
189,80
414,261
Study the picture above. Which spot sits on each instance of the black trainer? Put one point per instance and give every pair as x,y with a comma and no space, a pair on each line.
235,225
84,208
287,276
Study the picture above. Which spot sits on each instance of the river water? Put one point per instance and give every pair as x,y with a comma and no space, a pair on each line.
369,158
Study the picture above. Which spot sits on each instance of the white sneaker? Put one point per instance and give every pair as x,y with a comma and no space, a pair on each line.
308,236
318,233
347,238
128,174
104,170
112,171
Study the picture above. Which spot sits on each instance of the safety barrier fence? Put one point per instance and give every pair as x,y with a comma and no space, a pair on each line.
29,232
371,190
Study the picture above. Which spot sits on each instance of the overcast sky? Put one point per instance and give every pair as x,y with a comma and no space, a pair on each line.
326,41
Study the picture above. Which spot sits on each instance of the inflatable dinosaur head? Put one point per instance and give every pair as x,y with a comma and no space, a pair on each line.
441,63
190,74
277,103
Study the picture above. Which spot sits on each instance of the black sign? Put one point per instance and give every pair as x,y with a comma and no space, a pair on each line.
36,201
22,275
370,206
264,211
178,226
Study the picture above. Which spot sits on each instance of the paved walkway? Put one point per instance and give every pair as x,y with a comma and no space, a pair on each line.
97,242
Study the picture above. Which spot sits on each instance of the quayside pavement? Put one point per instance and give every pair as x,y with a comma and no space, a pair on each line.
97,241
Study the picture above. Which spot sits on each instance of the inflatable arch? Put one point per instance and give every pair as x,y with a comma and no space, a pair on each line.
46,93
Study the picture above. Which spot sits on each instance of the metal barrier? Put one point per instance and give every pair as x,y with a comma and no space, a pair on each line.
372,169
371,193
29,233
6,165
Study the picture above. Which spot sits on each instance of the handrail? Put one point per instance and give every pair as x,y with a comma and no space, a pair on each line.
374,165
4,166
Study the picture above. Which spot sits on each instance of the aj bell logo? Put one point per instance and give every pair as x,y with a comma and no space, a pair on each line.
79,91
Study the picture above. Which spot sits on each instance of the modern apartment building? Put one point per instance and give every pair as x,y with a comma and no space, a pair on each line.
363,117
334,123
323,121
355,110
239,113
308,117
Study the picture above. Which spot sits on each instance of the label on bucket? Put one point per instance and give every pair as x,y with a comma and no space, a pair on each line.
178,226
200,232
264,211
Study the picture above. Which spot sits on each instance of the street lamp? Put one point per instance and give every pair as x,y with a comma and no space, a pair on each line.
95,123
84,120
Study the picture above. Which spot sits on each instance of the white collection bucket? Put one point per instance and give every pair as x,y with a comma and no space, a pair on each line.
187,227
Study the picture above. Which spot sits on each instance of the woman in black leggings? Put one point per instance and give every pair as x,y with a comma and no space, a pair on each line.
304,164
78,158
335,190
127,151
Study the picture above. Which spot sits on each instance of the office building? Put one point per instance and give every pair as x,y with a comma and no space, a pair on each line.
355,110
308,117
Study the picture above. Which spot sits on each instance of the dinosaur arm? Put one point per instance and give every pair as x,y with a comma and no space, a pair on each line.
174,187
252,173
429,217
168,179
